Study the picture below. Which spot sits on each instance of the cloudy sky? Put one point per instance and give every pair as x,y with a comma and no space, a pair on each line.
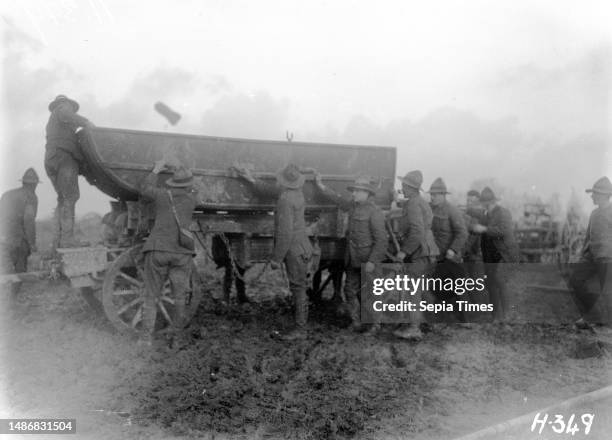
516,91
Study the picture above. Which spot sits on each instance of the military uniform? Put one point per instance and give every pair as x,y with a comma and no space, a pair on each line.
449,233
18,208
366,241
596,258
291,244
417,242
62,162
165,258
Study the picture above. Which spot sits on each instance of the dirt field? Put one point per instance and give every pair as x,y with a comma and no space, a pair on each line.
234,379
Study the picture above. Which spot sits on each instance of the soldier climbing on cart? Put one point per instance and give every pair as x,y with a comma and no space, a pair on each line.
18,209
63,163
169,249
291,244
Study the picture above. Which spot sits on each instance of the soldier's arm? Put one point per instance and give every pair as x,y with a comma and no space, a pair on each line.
283,230
68,116
334,197
148,187
499,224
29,221
379,233
412,229
459,229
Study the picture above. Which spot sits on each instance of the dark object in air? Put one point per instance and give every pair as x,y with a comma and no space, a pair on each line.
172,116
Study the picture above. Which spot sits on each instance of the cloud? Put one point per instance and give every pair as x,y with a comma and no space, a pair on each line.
566,99
257,115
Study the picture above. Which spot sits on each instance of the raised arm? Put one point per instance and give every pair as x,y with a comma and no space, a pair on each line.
331,195
148,187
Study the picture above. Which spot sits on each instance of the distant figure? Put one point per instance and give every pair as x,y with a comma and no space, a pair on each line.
596,255
498,245
167,255
18,209
63,160
222,258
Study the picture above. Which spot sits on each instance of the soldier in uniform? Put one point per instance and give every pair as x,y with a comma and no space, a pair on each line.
291,244
596,255
450,235
63,160
166,257
366,240
418,249
498,245
17,219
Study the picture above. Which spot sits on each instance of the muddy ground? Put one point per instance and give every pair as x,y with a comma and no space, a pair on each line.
234,379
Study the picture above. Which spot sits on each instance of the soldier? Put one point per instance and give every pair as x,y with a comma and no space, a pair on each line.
17,219
63,160
450,235
366,240
471,217
596,255
167,251
291,244
498,245
418,249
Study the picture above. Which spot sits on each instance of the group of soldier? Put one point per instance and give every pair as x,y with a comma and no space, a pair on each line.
432,238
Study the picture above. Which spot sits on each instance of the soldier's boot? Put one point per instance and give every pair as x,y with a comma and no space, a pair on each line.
241,289
301,317
410,332
355,315
228,278
57,228
67,239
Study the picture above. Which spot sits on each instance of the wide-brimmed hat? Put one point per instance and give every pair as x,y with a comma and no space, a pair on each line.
362,183
182,177
63,98
438,187
473,193
30,176
413,179
290,177
487,195
602,186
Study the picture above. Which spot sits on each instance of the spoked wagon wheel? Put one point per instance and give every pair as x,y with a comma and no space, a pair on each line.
123,294
93,294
